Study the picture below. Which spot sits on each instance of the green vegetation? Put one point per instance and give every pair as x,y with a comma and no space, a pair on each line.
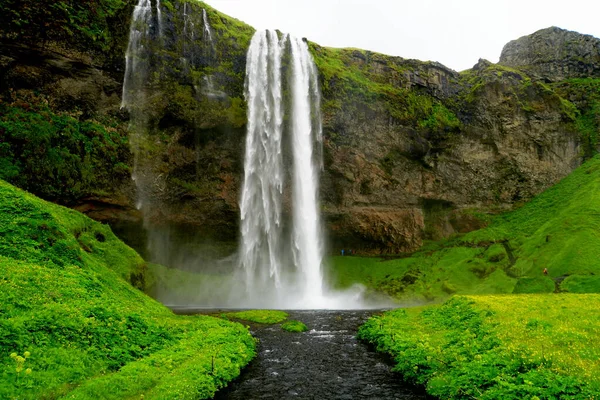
538,284
78,328
557,230
84,24
496,347
585,94
259,316
57,156
294,326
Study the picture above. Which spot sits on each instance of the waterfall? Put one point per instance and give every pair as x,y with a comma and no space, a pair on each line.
188,38
135,69
160,19
207,31
280,270
306,230
261,202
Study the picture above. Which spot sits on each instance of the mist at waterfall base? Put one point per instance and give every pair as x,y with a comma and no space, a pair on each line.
278,261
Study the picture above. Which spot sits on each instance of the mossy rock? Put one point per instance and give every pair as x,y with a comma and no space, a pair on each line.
294,326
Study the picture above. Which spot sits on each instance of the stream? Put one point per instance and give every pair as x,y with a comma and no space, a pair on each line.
326,362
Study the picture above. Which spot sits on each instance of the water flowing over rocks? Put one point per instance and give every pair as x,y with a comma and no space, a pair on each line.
326,362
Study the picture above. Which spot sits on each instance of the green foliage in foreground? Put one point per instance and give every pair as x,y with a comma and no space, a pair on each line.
557,230
57,156
259,316
80,330
294,326
496,347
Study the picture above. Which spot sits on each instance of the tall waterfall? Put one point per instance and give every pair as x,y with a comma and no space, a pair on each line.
280,253
307,228
261,203
281,269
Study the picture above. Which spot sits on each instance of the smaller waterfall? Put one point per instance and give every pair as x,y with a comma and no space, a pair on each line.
188,37
135,70
207,30
160,19
208,85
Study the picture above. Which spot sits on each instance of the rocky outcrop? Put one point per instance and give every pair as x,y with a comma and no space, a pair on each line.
554,54
412,150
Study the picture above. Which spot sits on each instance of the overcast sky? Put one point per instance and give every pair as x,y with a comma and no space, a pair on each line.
454,32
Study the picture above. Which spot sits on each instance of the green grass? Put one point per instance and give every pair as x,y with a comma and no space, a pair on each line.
66,298
539,284
259,316
558,230
294,326
496,347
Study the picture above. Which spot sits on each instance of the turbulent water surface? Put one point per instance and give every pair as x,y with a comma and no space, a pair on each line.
327,362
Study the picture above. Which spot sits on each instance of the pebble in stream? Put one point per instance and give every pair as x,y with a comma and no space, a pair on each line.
327,362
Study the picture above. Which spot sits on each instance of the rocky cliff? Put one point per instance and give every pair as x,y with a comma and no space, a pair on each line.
554,54
412,150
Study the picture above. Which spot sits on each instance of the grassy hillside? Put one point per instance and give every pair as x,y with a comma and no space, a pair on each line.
557,230
496,347
72,326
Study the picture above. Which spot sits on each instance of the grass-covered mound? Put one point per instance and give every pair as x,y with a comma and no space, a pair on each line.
294,326
558,230
79,329
496,347
259,316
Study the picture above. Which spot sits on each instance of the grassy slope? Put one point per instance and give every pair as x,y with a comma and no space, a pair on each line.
496,347
557,230
65,299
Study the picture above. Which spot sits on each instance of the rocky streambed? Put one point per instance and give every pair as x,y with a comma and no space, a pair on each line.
326,362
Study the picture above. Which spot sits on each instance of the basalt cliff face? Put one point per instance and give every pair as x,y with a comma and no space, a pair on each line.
412,150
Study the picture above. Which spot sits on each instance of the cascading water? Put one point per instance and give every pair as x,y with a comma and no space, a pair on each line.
207,31
308,251
261,203
135,69
280,250
160,19
188,38
278,271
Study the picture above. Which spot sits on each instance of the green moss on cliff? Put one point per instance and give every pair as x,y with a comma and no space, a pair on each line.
359,79
58,156
584,93
88,26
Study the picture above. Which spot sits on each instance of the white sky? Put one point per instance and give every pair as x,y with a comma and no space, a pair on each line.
454,32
